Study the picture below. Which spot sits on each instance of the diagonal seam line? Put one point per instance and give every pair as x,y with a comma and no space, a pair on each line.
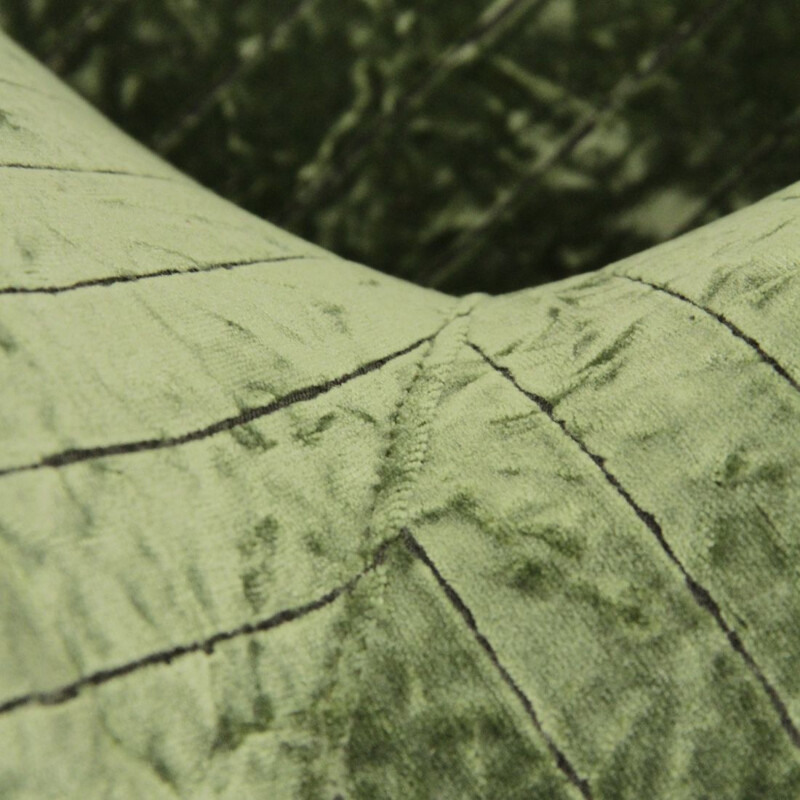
736,331
70,691
701,595
394,419
110,280
458,603
72,456
412,463
86,171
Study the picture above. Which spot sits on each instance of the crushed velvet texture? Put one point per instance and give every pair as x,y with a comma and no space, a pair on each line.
471,145
274,524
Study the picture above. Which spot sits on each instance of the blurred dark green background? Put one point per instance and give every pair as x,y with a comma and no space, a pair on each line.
469,145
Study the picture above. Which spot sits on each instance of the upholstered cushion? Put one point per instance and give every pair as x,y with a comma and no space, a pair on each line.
276,525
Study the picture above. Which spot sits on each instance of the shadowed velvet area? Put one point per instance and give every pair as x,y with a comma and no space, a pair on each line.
275,524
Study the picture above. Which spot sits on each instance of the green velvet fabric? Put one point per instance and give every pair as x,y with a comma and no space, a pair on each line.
274,524
422,137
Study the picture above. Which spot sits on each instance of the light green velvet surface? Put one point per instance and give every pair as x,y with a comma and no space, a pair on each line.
276,525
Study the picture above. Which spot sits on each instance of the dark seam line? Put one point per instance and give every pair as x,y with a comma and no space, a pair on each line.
113,279
73,456
455,599
740,334
71,690
701,595
52,168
